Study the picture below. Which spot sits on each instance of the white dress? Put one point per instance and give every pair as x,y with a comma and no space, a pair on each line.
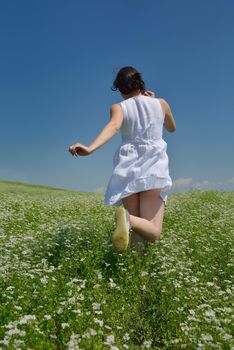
140,162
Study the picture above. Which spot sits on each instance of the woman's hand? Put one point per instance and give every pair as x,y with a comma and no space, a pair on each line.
150,94
79,150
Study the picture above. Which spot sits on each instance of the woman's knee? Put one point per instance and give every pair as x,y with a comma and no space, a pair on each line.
156,234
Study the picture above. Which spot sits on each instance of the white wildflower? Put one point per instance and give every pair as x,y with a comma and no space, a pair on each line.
206,337
147,344
47,317
112,284
11,324
73,343
64,325
60,311
72,300
110,339
210,284
86,335
80,297
227,309
13,331
10,288
92,332
227,337
96,306
108,327
176,284
100,322
27,318
202,306
17,307
99,275
192,312
144,273
74,280
18,342
209,313
44,280
184,327
192,318
53,336
194,279
5,341
126,336
78,311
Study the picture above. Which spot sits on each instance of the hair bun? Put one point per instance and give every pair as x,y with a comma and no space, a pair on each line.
128,80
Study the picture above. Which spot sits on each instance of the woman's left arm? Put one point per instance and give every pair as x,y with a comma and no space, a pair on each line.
110,129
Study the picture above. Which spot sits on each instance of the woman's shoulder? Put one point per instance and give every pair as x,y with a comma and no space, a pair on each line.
164,104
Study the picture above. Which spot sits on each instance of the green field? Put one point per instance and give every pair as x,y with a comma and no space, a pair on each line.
63,287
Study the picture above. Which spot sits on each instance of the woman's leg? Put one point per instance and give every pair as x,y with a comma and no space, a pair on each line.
149,225
132,204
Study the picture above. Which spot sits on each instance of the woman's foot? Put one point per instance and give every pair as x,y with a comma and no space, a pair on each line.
120,237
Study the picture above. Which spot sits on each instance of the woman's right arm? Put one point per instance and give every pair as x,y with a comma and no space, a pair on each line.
169,121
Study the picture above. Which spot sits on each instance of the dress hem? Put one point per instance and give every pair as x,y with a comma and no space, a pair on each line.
140,185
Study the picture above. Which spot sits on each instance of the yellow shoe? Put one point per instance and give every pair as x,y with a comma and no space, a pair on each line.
120,237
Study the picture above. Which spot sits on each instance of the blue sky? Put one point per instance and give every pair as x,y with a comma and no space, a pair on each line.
58,60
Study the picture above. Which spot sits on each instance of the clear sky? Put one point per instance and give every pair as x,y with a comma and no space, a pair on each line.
58,61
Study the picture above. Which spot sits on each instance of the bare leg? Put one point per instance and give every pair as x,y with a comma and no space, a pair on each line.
145,228
149,224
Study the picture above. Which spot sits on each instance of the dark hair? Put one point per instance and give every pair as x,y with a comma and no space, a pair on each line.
127,80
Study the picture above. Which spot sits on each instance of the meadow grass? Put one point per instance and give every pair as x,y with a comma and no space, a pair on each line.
63,287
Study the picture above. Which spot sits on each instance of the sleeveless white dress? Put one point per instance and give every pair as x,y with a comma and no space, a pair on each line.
140,162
